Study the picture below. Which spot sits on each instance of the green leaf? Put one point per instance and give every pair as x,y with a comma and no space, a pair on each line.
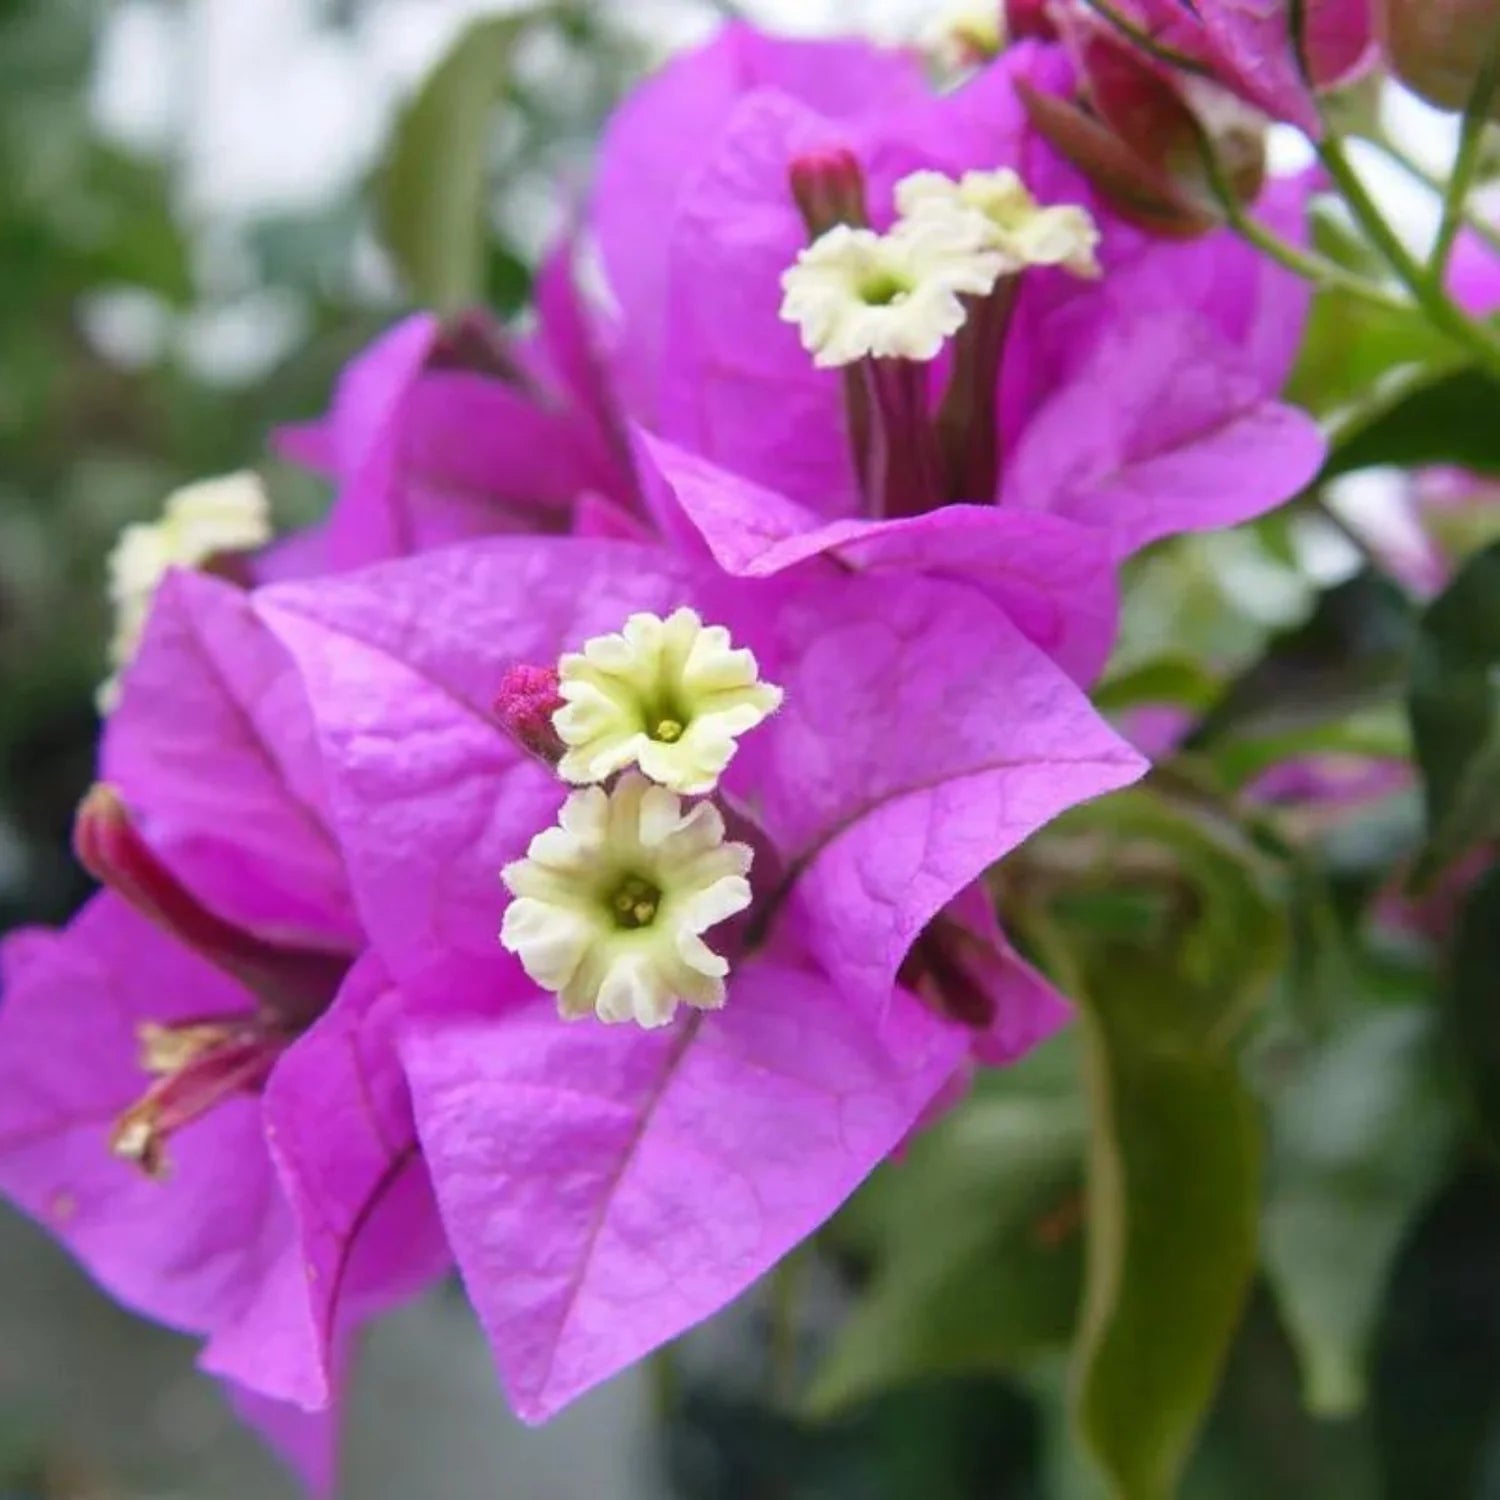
1352,348
1352,651
1437,1384
1172,1212
975,1239
1470,1013
1361,1137
1174,679
1351,343
1377,734
1455,713
1423,416
431,196
1222,921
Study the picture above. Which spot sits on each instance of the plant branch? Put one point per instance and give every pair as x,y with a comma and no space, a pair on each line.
1466,163
1433,300
1394,152
1325,274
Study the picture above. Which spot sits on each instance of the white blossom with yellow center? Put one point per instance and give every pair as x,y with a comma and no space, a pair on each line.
965,32
671,696
612,903
998,209
230,514
855,294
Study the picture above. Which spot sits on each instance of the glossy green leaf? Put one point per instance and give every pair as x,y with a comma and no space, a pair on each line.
1172,1211
975,1238
1361,1134
1431,414
1470,1011
1455,712
432,192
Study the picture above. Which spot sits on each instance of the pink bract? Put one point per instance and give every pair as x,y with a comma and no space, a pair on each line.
605,1188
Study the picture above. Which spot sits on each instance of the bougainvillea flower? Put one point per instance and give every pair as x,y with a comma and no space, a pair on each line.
198,1091
439,432
1250,46
1133,405
603,1187
199,524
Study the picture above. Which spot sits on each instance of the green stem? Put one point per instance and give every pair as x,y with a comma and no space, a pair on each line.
1433,300
1401,157
786,1325
1325,274
1466,163
665,1384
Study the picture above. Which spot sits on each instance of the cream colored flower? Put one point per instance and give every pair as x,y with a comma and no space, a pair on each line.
611,904
855,294
999,210
965,33
670,696
230,514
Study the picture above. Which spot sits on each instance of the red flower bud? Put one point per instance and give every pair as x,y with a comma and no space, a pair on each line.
525,704
829,187
292,984
1140,133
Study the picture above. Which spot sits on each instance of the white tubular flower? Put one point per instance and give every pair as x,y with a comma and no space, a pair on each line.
965,33
670,696
611,904
1000,211
855,294
230,514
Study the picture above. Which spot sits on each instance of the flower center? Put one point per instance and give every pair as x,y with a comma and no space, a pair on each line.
883,289
195,1066
667,731
635,903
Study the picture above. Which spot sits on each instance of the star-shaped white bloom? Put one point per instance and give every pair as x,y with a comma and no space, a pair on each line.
671,696
855,294
999,210
611,904
231,514
965,32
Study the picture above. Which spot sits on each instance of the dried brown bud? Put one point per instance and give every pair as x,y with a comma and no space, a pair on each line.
1141,134
1437,47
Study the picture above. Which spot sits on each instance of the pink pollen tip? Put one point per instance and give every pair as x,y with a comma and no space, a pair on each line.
525,704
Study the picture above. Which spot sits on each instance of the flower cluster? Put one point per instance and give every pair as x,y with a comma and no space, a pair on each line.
612,903
741,676
856,294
